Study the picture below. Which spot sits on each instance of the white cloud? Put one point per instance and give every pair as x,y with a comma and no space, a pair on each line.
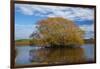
89,30
72,13
87,27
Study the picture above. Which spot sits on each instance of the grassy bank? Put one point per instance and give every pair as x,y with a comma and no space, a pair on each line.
22,42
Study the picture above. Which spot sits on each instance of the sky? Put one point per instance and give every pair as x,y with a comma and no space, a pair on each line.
27,16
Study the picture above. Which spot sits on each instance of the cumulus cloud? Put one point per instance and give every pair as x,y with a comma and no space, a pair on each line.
89,31
87,27
72,13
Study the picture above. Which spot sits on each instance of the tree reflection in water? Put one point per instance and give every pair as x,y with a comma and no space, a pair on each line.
57,55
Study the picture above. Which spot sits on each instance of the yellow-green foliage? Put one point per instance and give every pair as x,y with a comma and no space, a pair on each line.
58,31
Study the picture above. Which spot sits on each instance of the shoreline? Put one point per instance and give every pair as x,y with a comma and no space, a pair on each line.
27,42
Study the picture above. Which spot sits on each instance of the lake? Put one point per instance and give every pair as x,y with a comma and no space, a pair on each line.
32,55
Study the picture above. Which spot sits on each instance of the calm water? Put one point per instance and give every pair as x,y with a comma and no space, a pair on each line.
37,55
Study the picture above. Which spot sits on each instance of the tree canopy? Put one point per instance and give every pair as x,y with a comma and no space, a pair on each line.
57,31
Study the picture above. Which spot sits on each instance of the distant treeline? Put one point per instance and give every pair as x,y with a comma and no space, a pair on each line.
24,42
89,40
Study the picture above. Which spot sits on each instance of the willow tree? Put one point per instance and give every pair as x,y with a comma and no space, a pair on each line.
57,31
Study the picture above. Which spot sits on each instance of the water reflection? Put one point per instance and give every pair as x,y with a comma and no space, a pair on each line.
33,55
57,55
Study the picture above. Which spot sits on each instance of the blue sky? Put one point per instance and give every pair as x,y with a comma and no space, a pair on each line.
27,16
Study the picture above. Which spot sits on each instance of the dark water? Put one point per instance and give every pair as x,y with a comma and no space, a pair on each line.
27,55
